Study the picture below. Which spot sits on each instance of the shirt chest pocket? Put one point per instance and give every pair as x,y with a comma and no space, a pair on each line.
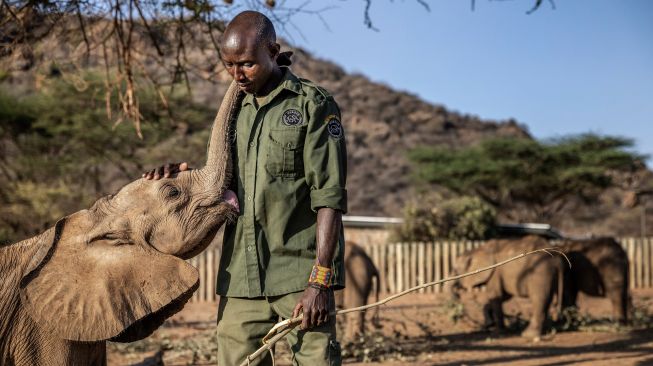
285,152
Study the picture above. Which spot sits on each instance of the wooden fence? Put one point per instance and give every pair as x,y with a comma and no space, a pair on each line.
405,265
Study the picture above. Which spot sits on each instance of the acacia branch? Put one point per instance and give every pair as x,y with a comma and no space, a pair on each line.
281,329
80,17
148,28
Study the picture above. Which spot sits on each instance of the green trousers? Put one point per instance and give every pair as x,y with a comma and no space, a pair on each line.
243,322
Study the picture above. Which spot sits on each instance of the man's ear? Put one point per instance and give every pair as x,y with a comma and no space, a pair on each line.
274,50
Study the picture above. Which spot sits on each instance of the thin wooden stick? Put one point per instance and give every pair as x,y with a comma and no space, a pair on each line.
281,329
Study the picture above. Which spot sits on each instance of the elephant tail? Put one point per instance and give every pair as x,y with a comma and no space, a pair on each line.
377,285
561,289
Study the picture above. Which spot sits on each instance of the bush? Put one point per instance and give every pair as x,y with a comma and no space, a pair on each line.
456,218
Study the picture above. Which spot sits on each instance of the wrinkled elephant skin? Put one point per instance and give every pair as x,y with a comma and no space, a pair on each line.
115,271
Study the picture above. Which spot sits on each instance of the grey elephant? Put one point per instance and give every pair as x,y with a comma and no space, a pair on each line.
538,277
115,271
360,276
599,267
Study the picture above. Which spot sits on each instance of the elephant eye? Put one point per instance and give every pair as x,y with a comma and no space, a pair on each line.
171,191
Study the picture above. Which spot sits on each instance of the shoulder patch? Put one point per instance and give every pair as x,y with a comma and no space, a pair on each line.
292,117
334,126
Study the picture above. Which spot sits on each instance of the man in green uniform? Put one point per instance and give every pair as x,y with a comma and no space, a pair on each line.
289,176
284,254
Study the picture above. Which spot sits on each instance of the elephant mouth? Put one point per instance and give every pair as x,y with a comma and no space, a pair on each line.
230,197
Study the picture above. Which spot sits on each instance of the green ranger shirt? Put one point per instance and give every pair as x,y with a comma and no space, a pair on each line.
289,159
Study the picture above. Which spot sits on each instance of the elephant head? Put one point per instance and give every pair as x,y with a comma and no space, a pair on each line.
472,260
115,271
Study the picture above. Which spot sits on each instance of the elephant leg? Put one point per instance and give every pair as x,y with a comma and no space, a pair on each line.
493,314
488,317
360,326
541,297
355,325
570,297
619,299
497,310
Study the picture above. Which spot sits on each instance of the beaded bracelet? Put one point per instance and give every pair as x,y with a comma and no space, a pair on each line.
320,276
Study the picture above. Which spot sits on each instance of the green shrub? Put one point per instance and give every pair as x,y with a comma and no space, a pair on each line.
456,218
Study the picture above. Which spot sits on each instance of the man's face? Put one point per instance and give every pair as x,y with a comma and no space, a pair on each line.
250,63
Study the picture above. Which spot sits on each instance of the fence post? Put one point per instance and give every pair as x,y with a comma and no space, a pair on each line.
437,246
392,262
446,256
430,261
630,250
421,263
647,262
383,275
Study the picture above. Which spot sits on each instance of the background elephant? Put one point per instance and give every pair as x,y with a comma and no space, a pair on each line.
536,277
360,272
599,267
115,271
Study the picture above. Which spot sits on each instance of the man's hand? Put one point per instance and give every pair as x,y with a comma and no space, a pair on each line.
316,306
166,171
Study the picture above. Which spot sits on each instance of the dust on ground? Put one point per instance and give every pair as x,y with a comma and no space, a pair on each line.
429,329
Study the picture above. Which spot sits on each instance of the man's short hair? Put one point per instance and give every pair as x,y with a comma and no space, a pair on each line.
265,33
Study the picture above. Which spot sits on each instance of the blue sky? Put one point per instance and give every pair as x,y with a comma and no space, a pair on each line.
586,66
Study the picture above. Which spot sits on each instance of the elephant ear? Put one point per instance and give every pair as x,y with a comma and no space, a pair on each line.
103,290
480,258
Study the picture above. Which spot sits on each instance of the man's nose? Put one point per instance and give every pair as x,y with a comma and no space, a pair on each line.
238,73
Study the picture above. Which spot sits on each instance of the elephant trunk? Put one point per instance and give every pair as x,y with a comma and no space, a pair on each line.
217,171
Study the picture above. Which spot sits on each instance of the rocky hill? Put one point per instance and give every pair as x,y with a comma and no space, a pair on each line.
382,124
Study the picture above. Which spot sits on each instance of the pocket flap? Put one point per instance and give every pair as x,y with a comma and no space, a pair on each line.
289,138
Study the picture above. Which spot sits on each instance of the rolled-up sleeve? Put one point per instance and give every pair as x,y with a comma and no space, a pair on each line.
325,156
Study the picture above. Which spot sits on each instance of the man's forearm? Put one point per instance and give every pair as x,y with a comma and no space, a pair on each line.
328,230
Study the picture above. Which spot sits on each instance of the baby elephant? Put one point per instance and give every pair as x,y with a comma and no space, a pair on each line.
599,267
360,272
537,277
115,271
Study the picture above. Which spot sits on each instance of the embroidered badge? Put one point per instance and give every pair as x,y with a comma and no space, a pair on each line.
334,127
292,117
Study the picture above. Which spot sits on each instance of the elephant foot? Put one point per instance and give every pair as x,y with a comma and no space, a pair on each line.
531,333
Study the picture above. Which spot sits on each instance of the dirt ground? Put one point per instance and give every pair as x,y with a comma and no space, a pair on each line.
428,329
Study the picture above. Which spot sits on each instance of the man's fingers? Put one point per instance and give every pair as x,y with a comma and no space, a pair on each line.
168,169
295,312
306,320
324,317
315,318
158,173
149,174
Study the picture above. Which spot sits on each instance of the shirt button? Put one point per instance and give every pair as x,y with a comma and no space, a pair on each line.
249,248
251,144
289,145
249,198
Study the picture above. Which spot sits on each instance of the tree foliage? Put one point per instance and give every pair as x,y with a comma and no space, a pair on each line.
455,218
528,179
58,154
